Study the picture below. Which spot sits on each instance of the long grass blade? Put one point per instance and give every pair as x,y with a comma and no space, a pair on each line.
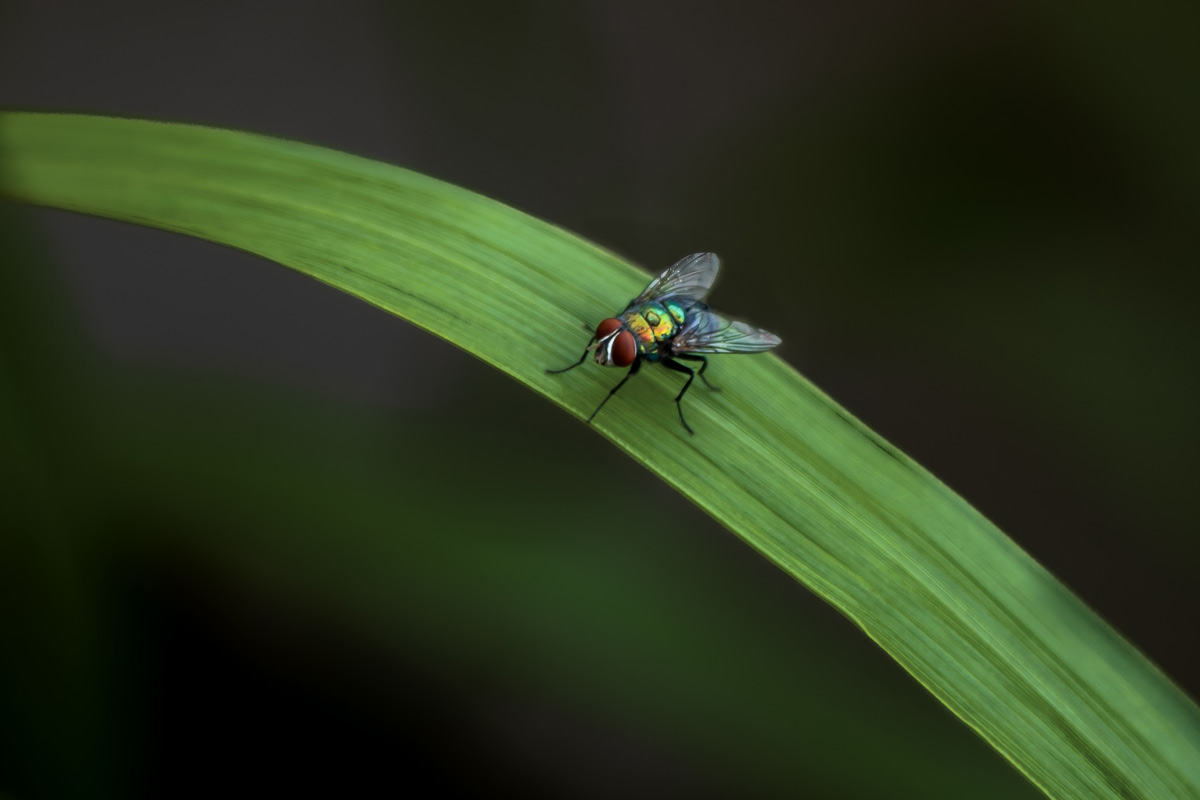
972,617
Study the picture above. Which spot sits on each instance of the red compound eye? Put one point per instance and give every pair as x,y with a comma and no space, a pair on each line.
607,326
624,349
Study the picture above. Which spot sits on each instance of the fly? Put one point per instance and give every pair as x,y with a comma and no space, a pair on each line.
669,323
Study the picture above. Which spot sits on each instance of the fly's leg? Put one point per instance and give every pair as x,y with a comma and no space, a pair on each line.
703,366
632,371
576,364
675,365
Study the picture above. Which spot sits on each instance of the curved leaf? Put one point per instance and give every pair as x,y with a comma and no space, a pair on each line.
964,610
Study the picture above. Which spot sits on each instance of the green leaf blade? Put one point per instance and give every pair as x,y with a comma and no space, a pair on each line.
965,611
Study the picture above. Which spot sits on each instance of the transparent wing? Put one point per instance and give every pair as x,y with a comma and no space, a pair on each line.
707,332
688,277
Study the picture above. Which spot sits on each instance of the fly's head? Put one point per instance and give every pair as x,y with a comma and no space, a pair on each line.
615,346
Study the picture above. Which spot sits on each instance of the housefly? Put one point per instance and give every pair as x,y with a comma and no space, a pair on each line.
668,323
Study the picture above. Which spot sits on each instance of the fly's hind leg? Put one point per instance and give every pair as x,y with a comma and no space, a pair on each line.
703,366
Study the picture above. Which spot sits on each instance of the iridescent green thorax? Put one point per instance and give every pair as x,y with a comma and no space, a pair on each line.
655,322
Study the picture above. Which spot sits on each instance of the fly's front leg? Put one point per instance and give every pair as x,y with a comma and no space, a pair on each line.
577,363
675,365
632,371
703,366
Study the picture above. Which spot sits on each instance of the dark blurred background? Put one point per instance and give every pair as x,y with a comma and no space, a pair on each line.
261,536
